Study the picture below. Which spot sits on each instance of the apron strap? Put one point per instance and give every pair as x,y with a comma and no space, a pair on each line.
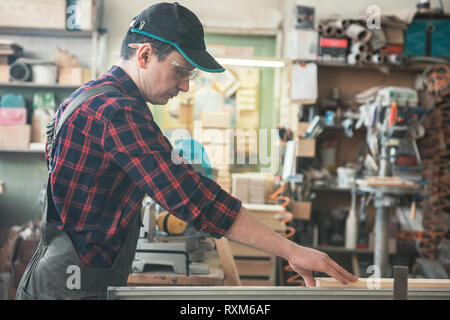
52,137
52,132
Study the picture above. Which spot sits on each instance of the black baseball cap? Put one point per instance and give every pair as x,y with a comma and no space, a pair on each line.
178,26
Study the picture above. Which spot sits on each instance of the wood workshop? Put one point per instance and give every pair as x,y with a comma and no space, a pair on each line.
224,150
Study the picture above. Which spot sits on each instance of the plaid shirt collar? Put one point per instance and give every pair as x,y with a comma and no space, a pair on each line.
118,75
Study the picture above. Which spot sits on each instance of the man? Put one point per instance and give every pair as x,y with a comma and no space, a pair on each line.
105,152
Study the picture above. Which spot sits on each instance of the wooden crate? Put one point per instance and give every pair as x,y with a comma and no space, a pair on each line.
255,267
256,271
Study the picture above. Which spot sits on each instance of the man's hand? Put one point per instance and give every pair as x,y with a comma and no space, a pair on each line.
249,231
305,260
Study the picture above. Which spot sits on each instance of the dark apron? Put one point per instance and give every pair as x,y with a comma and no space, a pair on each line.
55,271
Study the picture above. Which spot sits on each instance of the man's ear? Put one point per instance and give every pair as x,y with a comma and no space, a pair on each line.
144,54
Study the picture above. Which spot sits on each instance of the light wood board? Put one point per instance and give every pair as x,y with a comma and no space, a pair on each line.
384,283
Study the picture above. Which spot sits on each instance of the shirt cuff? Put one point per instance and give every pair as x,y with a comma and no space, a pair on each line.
217,218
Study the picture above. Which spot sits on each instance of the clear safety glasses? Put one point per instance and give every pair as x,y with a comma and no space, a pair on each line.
182,72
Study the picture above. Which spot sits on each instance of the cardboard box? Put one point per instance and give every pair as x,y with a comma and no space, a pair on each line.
70,76
306,148
4,73
248,77
48,14
83,14
215,119
16,137
14,116
302,210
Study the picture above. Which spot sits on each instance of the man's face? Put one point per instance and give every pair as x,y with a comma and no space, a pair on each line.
163,80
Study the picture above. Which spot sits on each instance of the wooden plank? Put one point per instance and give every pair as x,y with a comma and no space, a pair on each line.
228,264
385,283
264,208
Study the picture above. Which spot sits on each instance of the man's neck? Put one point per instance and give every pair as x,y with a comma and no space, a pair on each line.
131,70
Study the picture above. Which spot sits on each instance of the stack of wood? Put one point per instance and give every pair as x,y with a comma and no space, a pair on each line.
254,188
9,51
434,148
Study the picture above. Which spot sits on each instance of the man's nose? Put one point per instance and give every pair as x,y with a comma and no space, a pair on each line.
184,85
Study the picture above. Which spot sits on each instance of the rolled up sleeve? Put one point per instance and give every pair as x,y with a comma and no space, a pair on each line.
135,143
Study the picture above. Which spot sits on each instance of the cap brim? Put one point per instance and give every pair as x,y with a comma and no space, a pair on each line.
201,59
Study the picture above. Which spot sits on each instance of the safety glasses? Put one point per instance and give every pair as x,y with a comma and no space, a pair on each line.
182,72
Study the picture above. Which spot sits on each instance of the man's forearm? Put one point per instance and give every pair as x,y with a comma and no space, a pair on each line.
250,231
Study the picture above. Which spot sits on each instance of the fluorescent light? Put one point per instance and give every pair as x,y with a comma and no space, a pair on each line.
251,62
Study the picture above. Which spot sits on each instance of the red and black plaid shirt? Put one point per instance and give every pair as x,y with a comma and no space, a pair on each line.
110,153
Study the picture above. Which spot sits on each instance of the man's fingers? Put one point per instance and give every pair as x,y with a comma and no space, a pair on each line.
339,273
347,275
309,279
332,272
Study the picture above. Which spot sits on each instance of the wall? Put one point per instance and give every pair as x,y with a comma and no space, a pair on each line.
234,14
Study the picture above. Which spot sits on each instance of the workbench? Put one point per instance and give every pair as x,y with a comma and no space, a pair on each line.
399,288
267,293
166,278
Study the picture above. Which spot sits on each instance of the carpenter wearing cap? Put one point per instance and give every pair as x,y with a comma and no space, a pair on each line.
162,50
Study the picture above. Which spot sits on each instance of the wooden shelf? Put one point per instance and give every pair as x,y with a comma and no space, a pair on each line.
45,32
330,188
37,85
414,67
29,151
419,67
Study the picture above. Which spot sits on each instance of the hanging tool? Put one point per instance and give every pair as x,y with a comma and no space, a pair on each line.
393,114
